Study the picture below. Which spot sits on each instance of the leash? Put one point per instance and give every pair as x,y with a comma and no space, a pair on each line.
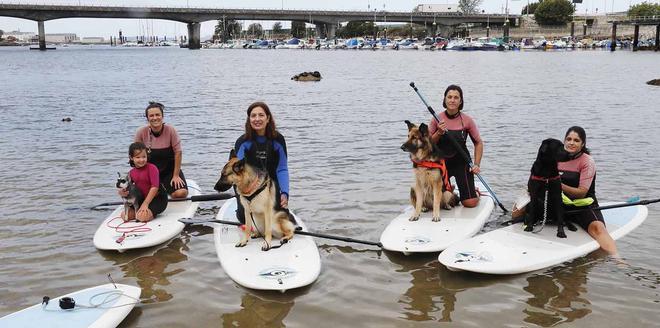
545,208
130,231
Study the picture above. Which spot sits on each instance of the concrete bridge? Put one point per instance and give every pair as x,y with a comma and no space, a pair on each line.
326,21
637,21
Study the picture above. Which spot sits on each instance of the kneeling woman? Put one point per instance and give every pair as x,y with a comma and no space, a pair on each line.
578,180
151,200
264,148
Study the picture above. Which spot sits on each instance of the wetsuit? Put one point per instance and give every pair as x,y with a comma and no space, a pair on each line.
161,148
459,126
267,155
145,178
581,172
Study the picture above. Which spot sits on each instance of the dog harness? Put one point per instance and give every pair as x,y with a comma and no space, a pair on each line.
544,179
436,165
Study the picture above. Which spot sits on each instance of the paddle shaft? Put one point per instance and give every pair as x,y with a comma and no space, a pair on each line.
197,198
606,207
458,147
305,233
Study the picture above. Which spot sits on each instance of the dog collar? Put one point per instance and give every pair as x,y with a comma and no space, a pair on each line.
257,189
544,179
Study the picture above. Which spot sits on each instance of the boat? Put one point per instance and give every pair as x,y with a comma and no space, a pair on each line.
293,43
426,236
511,250
293,265
116,235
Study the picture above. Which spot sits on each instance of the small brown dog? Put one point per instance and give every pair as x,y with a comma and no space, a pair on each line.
256,192
431,188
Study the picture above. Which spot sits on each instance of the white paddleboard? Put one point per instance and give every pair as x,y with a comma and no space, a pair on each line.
512,250
114,234
96,307
426,236
295,264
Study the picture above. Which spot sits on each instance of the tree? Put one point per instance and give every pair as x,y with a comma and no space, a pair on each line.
554,12
469,7
277,28
644,9
255,29
229,29
357,28
298,29
532,8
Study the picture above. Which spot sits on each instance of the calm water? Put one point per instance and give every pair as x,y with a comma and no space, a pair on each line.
348,177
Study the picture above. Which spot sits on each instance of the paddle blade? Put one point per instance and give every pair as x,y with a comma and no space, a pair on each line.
202,198
633,199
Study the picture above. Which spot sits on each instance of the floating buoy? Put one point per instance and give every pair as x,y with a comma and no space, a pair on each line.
66,119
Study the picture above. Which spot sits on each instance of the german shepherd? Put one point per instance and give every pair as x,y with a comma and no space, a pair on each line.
429,190
544,187
256,192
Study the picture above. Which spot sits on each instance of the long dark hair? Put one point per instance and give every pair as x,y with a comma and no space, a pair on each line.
460,92
271,131
133,149
582,134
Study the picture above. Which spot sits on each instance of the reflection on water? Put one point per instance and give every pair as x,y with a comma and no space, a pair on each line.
259,312
150,270
558,295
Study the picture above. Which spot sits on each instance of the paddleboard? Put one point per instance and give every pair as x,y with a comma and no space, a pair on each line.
114,234
295,264
512,250
102,306
426,236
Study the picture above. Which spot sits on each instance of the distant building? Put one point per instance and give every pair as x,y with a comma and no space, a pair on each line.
92,40
61,37
437,8
20,36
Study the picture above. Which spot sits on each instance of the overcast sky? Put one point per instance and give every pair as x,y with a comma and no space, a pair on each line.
106,27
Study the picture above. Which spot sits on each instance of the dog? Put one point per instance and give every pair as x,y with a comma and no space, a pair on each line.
125,183
544,186
431,188
256,192
307,76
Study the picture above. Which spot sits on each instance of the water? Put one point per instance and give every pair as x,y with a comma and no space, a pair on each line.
348,177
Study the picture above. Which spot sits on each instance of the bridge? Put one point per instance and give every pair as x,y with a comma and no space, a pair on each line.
326,21
637,21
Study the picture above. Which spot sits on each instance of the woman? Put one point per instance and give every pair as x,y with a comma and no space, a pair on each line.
578,180
454,124
164,150
264,148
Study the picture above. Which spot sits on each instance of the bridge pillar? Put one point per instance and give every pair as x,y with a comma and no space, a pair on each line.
194,36
572,30
318,28
42,35
636,38
613,43
584,30
657,38
332,30
506,31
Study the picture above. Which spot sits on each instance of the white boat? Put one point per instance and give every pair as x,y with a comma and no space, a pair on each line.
511,250
293,43
293,265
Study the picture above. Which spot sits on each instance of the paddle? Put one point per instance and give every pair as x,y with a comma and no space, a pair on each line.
198,198
298,232
458,147
606,207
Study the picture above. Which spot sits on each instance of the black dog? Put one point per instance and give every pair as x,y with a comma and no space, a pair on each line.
544,187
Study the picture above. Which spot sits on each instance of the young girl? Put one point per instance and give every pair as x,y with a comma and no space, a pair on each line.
145,176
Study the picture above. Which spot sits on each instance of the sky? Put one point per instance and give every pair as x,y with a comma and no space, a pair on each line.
107,27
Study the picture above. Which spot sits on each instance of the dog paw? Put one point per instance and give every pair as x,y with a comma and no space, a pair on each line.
571,227
414,218
529,228
424,209
561,234
284,241
241,244
436,219
265,247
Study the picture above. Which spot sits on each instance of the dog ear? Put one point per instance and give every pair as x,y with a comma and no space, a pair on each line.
119,175
424,129
410,125
232,153
238,166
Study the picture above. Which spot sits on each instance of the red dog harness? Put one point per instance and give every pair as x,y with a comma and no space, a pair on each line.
436,165
544,179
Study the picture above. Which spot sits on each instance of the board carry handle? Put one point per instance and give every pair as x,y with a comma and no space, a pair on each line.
459,149
298,232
